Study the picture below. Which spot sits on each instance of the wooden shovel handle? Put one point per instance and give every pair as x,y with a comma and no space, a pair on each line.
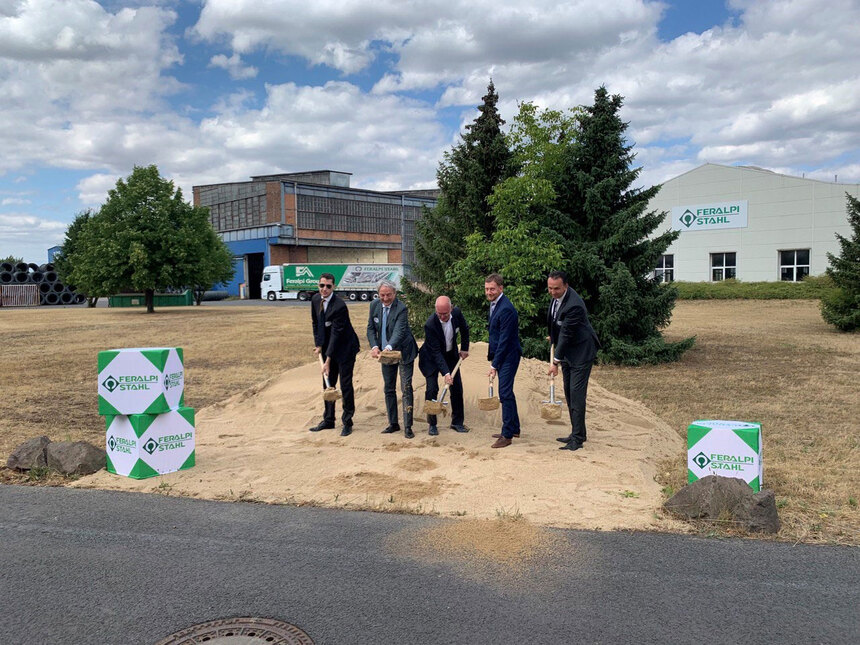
322,364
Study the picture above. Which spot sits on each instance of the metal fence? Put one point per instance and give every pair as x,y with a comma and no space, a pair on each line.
19,295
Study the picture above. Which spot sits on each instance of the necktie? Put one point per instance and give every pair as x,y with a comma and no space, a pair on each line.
492,308
554,308
322,305
384,327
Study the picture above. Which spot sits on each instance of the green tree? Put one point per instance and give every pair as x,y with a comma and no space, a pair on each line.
11,259
62,262
524,246
466,178
609,254
841,307
146,237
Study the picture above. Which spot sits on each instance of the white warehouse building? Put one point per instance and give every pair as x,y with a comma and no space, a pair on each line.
751,224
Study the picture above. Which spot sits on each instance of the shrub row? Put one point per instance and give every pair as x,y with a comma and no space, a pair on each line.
811,288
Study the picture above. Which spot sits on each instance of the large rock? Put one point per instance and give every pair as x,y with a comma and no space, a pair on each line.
726,498
29,455
75,457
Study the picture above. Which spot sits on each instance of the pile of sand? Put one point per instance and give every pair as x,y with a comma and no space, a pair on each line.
256,446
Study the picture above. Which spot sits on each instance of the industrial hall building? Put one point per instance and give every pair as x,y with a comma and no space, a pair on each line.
310,217
750,224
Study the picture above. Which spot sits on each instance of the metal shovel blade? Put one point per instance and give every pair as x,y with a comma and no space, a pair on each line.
551,409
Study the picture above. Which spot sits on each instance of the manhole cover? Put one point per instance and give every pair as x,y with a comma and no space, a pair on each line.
240,631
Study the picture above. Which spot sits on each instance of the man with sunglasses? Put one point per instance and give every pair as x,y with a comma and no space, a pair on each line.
336,340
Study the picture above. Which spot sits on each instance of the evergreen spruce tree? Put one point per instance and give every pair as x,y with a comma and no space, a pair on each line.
604,223
841,307
466,178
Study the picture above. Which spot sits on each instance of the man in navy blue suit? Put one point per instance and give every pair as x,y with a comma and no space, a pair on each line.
576,346
439,355
504,355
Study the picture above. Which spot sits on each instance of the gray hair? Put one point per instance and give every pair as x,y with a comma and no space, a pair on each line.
386,283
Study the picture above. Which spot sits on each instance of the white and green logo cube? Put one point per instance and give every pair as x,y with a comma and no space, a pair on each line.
725,448
141,380
146,445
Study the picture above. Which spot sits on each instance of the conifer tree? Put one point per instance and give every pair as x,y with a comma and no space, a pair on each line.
841,307
466,178
606,229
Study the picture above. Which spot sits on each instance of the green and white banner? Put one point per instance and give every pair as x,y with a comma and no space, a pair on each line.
141,380
146,445
726,449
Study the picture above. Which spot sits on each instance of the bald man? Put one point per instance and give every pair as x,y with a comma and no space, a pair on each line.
439,354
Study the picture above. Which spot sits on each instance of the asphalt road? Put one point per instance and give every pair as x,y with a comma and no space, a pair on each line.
103,567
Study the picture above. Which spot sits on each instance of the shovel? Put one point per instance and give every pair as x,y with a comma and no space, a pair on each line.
438,407
330,393
489,403
551,410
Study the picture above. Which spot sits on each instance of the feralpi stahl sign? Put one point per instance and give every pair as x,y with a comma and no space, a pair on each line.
146,445
706,217
141,380
726,449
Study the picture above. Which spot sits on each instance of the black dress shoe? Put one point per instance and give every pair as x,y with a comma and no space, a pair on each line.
322,425
459,428
433,431
572,445
408,433
566,439
390,429
346,431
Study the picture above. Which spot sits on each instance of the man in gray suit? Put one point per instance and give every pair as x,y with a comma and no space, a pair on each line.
576,347
388,328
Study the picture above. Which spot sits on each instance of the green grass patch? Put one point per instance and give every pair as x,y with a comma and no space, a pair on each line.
811,288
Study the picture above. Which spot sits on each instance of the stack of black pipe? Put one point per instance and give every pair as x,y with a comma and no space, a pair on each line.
51,290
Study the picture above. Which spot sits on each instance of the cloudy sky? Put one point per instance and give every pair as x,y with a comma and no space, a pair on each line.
218,90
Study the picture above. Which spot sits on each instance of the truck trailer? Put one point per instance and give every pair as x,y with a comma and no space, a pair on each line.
351,281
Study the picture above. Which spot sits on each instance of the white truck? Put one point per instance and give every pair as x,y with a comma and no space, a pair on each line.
351,281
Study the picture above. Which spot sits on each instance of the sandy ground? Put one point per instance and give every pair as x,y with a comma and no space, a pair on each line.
256,446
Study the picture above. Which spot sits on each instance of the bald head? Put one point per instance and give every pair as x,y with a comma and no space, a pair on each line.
443,308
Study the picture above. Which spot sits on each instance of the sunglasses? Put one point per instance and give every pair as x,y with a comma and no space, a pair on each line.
326,286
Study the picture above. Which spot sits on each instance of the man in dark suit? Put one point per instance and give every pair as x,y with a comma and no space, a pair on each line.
576,347
336,339
439,355
388,328
504,354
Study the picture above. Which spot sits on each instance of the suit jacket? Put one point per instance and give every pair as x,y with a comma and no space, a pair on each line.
576,342
333,330
504,333
431,356
399,335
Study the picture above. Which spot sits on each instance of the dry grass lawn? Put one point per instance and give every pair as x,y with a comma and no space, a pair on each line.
774,362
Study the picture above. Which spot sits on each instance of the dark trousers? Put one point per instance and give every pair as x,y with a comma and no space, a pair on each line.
431,392
510,418
389,380
575,379
344,371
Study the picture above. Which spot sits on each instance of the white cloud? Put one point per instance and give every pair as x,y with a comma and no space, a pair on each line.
7,201
28,236
234,66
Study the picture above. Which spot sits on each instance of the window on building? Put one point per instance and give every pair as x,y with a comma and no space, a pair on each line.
793,265
723,266
665,271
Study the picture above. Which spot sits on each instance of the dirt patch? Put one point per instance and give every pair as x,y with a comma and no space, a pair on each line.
416,464
506,550
396,489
